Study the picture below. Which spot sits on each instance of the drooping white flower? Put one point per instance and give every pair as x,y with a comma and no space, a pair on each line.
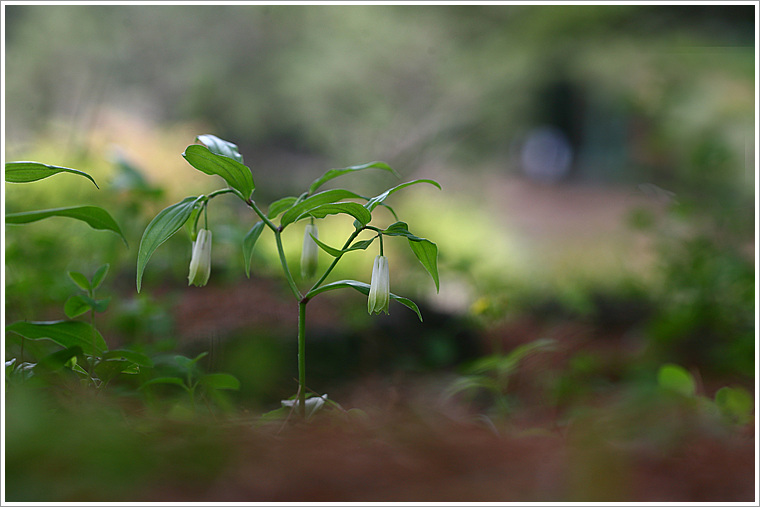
309,254
200,262
380,286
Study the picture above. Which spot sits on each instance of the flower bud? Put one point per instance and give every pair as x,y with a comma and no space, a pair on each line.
200,262
379,288
309,254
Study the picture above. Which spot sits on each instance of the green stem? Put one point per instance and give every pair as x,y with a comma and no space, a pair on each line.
91,293
220,192
281,252
302,357
284,262
335,261
261,215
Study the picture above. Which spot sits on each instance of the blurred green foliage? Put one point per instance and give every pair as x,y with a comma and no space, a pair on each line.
661,94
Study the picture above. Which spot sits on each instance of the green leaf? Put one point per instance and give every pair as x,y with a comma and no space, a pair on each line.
162,227
675,378
334,173
187,364
356,210
505,364
67,333
427,253
308,204
330,250
248,243
80,280
27,172
99,276
221,147
359,245
129,355
364,289
108,369
237,175
372,203
280,205
425,250
77,305
101,305
220,381
191,224
95,217
59,359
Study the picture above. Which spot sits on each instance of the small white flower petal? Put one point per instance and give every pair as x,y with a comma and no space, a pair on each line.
379,289
200,262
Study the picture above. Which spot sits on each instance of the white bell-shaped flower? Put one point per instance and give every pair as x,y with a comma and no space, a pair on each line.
310,252
380,286
200,262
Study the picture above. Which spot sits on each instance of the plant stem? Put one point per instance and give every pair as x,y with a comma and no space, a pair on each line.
284,262
302,357
335,261
220,192
278,238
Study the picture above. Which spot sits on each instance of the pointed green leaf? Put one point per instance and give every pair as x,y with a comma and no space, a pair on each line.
80,280
221,147
427,253
101,305
99,276
401,229
129,355
425,250
220,381
330,250
59,359
359,245
356,210
372,203
248,243
237,175
162,227
280,205
67,333
308,204
27,172
78,305
95,217
364,289
334,173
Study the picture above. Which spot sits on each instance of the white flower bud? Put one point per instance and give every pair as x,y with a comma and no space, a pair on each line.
309,254
380,286
200,262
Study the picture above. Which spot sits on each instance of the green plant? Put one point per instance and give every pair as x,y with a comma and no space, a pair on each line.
734,404
190,377
83,352
491,374
219,157
72,349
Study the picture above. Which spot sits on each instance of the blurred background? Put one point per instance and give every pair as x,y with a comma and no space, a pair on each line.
597,164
